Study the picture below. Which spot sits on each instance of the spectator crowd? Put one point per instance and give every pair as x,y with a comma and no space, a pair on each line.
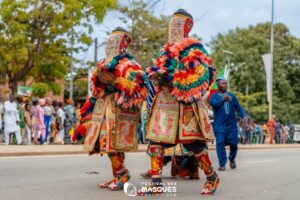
47,121
37,121
269,132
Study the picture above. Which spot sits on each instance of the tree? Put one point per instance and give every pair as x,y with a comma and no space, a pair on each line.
80,84
248,45
149,32
34,36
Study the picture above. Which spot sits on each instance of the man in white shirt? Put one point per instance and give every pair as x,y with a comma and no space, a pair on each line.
11,120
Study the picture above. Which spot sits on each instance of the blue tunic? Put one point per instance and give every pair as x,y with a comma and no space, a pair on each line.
225,124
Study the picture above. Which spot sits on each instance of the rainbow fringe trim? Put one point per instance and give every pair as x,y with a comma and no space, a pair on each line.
86,112
129,84
187,66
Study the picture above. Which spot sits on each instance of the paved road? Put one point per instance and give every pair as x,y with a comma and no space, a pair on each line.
30,150
261,174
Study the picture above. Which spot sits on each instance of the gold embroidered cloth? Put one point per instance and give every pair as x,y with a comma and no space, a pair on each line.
173,122
115,128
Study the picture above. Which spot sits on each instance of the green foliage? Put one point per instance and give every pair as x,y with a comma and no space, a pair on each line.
80,87
40,89
149,32
55,88
80,84
35,36
254,104
248,45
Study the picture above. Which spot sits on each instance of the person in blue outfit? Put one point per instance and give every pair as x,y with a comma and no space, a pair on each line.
224,105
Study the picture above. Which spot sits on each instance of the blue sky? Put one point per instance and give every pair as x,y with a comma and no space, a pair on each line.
214,16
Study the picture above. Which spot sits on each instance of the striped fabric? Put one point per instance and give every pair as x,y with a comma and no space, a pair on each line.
151,94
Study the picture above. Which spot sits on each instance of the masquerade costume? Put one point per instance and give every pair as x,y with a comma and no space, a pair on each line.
178,114
109,119
183,163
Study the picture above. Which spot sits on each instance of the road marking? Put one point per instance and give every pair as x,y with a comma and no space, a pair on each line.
261,161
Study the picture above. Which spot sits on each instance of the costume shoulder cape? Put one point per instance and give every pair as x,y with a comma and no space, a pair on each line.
187,66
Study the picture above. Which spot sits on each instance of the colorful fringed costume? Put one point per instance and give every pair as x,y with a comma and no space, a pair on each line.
109,119
178,114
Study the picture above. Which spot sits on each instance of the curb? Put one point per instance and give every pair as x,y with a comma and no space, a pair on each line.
210,147
49,153
20,154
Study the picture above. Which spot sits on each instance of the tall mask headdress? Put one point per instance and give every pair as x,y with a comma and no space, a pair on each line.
180,25
117,43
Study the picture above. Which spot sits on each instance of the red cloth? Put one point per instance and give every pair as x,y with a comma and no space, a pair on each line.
271,125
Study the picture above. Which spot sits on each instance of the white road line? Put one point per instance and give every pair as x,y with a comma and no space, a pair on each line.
261,161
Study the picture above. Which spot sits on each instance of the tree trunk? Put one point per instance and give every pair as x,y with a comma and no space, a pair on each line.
13,86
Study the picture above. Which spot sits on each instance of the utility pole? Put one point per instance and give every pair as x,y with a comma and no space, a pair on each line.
247,98
90,68
228,81
96,52
71,67
272,46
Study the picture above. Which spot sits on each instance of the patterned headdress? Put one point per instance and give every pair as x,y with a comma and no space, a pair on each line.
117,42
180,25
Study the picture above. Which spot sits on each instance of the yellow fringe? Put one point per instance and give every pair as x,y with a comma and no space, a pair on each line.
200,71
130,85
